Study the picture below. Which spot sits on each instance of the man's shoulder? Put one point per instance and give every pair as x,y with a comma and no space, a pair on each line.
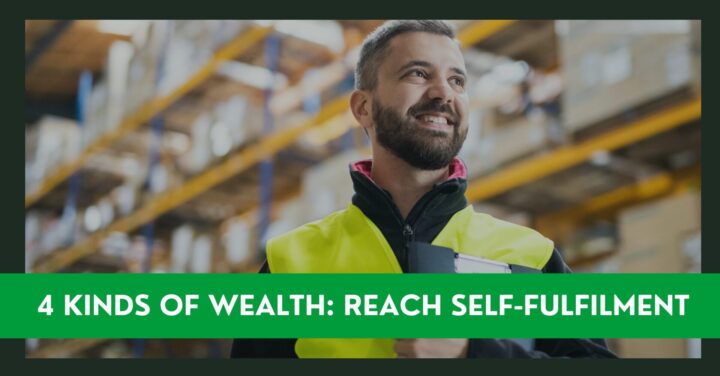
530,247
303,248
489,221
318,228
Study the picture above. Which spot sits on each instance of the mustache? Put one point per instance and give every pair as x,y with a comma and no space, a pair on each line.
434,106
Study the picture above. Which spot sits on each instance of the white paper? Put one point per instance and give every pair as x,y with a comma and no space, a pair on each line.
470,264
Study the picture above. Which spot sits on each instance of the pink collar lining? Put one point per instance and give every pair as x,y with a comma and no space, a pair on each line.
456,169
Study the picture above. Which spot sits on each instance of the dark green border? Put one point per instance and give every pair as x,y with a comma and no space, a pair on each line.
13,187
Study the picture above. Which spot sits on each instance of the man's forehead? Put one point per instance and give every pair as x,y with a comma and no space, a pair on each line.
435,49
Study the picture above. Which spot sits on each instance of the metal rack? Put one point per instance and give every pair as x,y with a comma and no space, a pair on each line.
146,112
247,157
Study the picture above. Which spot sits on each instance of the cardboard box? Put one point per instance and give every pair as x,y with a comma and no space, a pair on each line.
591,241
237,241
660,237
491,145
181,244
199,155
50,143
202,254
327,187
95,113
652,348
143,67
613,66
117,68
652,235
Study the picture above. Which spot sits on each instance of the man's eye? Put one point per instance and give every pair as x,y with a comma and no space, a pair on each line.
418,73
458,81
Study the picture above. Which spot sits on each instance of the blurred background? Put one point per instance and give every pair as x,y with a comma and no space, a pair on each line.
180,146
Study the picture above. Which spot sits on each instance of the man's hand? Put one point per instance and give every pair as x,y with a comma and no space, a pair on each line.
431,348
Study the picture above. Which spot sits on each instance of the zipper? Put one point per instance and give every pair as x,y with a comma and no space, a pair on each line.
409,236
408,225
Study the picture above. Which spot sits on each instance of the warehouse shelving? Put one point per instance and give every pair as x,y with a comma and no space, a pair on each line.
532,169
66,348
147,111
240,161
234,164
518,174
557,224
234,168
653,187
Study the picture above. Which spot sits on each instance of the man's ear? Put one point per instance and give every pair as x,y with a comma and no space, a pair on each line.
360,107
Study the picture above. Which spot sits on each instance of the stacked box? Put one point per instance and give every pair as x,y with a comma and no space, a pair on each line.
215,133
660,237
202,254
49,144
117,68
597,239
613,66
652,235
142,73
237,241
199,155
191,45
492,144
181,245
327,187
95,113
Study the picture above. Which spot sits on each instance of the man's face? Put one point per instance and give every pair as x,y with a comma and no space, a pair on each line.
419,105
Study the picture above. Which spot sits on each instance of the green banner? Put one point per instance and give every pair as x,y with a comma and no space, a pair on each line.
360,306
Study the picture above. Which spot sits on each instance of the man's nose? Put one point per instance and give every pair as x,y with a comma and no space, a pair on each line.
440,90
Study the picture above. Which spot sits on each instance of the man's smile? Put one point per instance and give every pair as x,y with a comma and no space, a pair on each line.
436,121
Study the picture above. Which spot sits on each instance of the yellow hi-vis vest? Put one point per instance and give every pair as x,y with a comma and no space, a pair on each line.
348,242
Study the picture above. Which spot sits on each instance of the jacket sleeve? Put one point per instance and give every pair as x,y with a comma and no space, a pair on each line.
543,348
263,348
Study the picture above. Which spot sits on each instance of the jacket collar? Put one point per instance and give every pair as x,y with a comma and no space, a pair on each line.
456,168
426,219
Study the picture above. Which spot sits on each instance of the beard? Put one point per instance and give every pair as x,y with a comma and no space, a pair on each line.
420,147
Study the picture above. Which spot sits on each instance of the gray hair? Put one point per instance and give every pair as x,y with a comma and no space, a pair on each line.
375,47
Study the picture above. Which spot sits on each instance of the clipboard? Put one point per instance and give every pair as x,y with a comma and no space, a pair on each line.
428,258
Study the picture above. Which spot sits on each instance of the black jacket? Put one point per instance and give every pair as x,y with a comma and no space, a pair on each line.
424,222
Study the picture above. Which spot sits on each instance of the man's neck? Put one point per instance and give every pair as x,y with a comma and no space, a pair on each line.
405,183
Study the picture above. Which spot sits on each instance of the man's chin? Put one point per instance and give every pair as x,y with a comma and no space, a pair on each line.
434,160
429,166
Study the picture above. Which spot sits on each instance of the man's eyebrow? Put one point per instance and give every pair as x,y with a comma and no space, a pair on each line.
421,63
459,71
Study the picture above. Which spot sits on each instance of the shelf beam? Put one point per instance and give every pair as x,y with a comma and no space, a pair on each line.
479,31
535,168
554,225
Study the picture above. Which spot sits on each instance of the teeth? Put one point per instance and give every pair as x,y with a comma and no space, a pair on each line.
434,119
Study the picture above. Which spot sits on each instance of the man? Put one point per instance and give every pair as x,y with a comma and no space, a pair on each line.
411,99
